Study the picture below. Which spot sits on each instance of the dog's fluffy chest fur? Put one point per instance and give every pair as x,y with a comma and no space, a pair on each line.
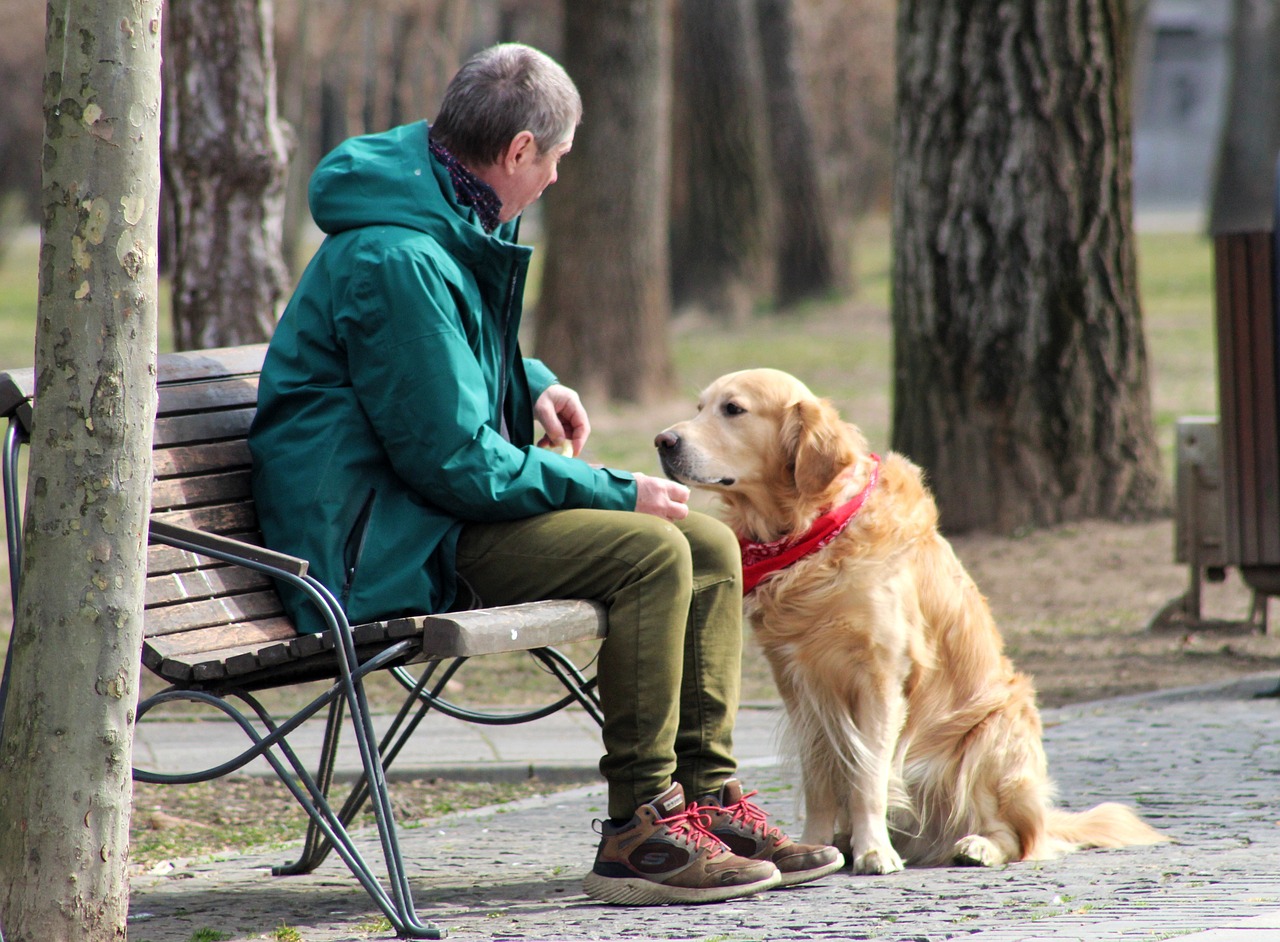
889,594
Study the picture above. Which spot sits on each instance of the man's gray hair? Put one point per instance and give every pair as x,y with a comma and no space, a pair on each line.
499,92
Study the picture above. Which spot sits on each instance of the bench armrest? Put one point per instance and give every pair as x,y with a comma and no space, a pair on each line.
225,547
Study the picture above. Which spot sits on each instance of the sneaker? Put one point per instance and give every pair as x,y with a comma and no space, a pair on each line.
666,855
741,825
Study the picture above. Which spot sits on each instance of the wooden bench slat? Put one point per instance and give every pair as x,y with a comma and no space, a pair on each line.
240,650
162,559
204,583
211,613
254,656
220,518
201,458
189,645
216,393
202,427
200,489
194,365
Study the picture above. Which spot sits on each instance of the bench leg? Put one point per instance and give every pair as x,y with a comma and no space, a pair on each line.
316,847
399,909
395,900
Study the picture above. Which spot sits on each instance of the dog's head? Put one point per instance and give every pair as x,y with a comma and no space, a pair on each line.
774,453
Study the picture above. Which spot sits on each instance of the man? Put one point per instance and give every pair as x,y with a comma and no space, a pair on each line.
394,448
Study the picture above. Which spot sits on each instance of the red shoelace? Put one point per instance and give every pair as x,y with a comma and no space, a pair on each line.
694,826
751,815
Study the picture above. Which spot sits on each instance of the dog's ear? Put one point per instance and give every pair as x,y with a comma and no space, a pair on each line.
820,443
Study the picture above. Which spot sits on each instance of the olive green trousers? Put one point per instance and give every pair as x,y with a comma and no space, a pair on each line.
669,672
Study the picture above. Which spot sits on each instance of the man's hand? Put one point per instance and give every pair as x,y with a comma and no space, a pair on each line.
660,497
561,413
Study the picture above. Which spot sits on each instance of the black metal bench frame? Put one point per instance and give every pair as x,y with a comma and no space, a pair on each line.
260,650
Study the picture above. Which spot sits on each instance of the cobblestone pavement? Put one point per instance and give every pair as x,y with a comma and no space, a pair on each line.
1202,764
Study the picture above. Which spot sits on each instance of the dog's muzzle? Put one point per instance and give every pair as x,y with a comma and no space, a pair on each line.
677,464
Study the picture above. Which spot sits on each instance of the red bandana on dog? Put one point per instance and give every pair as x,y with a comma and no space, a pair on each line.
760,560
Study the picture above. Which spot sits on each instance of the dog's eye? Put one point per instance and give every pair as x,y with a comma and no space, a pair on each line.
732,408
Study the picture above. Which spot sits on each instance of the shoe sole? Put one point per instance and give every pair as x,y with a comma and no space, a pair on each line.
637,891
804,876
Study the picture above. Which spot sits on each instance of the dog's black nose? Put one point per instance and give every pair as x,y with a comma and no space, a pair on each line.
666,440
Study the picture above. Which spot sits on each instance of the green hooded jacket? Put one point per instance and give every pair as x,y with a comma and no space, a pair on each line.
380,427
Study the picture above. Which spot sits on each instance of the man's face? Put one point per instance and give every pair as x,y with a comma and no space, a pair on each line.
531,173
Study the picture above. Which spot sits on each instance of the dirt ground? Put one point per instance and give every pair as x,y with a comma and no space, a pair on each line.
1074,603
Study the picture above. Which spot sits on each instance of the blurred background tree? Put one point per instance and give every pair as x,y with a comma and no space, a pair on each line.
605,288
811,156
1020,369
226,157
346,70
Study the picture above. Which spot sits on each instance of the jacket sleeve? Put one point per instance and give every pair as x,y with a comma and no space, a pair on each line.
425,393
540,377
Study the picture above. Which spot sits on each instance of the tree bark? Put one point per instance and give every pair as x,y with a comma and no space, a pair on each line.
1020,367
226,158
604,308
720,253
1245,182
804,263
66,752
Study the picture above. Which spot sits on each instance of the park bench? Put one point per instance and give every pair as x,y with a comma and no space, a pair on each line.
216,632
1227,481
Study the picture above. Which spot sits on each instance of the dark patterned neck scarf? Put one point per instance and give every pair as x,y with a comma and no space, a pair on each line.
470,189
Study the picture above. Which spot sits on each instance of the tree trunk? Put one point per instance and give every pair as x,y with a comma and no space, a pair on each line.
605,302
1245,182
225,162
1020,368
803,247
720,254
66,753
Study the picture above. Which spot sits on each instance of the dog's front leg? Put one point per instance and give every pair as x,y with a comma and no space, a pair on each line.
878,717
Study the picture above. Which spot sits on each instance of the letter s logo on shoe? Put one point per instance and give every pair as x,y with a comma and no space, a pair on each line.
653,857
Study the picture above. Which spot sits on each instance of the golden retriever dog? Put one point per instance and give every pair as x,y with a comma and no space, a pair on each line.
917,739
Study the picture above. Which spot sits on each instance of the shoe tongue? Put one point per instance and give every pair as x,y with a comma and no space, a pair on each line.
670,801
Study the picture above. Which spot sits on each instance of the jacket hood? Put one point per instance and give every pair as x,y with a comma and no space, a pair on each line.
390,178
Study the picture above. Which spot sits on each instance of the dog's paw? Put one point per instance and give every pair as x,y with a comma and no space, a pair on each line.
977,851
878,860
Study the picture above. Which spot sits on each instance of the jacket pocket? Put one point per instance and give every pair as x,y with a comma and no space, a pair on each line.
353,549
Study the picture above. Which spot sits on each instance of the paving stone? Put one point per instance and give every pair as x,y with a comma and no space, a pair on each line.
1202,764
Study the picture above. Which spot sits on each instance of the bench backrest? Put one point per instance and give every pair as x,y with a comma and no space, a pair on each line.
201,463
196,605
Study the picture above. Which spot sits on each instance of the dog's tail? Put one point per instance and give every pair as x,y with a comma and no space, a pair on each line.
1106,825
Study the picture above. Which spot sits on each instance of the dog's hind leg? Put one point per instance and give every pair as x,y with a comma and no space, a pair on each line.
976,850
1002,793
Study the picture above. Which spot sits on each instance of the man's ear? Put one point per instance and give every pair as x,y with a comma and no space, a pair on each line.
821,445
522,149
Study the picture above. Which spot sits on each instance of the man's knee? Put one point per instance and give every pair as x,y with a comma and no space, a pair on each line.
656,545
714,547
